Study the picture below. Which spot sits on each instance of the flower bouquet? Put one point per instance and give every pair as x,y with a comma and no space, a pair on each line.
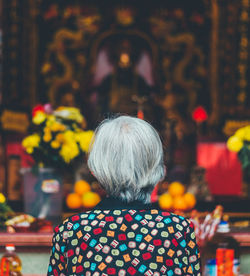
58,137
57,143
240,143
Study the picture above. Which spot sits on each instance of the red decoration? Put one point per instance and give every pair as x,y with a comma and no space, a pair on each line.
37,108
140,114
223,168
199,115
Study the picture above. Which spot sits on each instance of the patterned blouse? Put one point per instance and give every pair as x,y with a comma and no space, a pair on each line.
116,238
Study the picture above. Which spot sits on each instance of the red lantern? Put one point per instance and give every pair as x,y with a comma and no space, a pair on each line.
199,115
140,114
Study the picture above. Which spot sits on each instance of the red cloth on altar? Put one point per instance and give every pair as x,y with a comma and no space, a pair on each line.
15,148
223,168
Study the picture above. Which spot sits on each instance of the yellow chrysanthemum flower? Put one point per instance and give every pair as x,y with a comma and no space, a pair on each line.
39,118
247,133
60,138
57,127
30,150
31,141
47,137
84,138
50,120
240,133
2,198
69,151
69,135
234,143
47,129
55,144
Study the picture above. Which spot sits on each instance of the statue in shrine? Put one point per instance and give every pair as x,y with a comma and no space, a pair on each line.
124,90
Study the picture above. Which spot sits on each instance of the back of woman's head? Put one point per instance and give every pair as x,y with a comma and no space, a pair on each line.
126,157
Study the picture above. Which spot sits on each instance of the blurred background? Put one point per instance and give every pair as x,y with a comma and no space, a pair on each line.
66,65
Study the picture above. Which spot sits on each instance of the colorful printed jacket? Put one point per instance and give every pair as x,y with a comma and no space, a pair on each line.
117,238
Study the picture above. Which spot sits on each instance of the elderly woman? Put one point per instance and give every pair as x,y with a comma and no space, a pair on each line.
125,234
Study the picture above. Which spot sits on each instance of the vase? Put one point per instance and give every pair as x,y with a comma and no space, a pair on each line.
43,195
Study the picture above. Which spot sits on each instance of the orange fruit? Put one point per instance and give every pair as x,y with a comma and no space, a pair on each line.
190,200
179,203
90,199
81,187
73,201
165,201
176,189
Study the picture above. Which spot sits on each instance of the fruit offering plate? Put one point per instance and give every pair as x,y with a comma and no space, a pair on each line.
26,223
177,199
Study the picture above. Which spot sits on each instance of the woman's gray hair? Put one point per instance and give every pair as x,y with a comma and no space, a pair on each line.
126,157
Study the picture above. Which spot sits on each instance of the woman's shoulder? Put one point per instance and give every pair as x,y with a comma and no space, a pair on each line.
95,217
72,222
169,218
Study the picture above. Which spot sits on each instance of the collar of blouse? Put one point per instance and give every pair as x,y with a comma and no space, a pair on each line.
111,203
